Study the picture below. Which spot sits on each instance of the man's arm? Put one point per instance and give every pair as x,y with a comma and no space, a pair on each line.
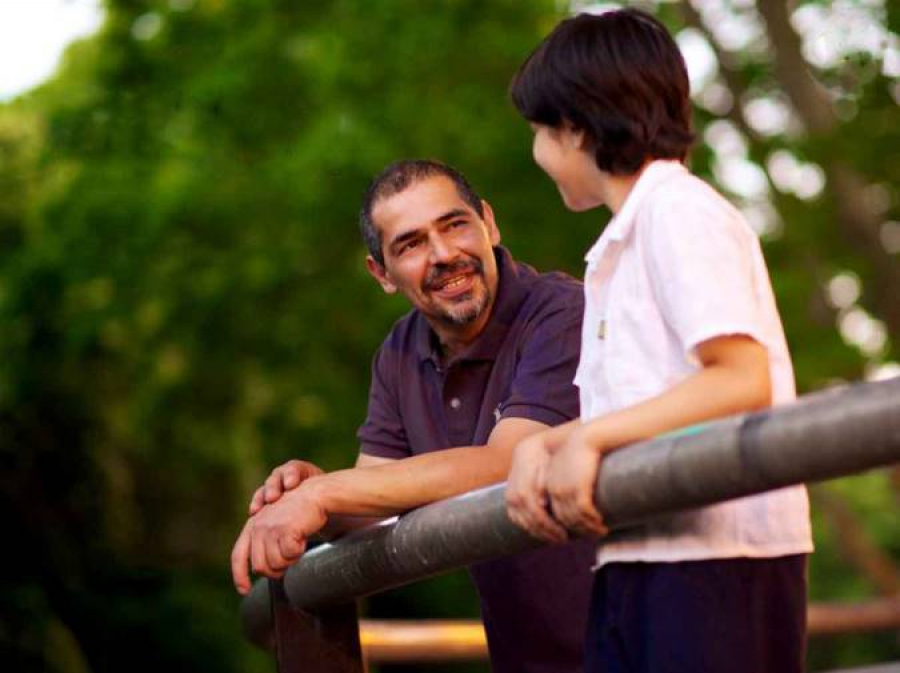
276,536
291,474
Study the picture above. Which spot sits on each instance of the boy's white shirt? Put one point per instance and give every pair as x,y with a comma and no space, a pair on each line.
679,265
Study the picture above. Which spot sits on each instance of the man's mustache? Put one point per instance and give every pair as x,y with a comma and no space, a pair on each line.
441,272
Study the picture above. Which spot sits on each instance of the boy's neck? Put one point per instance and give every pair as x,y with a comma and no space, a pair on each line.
618,187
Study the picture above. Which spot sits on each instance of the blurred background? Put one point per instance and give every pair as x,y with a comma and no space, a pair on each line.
184,305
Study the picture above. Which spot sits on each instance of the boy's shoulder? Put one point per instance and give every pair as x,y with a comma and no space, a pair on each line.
689,204
689,191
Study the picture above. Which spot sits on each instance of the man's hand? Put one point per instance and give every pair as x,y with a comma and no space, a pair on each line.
571,477
276,536
526,494
283,478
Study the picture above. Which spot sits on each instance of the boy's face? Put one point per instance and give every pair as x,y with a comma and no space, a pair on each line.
563,154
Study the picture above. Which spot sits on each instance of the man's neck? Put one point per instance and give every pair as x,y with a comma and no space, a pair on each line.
454,340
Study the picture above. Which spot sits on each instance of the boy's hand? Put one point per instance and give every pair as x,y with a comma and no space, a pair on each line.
571,477
283,478
526,493
276,536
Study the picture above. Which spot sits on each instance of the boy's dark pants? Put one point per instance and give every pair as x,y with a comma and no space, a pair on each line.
720,616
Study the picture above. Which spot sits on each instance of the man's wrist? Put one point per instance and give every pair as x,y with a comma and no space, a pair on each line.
316,492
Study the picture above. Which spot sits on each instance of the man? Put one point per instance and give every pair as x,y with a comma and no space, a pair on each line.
485,358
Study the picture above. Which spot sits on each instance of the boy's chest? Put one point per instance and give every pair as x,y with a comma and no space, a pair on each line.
626,345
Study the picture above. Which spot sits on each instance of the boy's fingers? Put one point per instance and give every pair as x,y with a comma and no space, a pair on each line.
539,523
578,513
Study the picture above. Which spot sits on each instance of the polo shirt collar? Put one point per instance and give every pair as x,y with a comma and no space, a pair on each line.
656,172
511,292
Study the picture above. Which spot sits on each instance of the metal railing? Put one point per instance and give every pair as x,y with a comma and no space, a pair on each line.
821,436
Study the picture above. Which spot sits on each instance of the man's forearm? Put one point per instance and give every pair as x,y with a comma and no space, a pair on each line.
402,485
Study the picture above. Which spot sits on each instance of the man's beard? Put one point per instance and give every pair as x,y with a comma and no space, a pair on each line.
468,307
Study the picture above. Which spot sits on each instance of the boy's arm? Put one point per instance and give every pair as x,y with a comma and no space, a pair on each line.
556,470
734,378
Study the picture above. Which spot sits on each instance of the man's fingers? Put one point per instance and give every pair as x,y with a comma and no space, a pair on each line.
275,560
257,501
273,487
258,560
294,472
239,561
291,548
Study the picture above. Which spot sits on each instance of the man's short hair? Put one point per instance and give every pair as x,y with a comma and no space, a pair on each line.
397,177
617,76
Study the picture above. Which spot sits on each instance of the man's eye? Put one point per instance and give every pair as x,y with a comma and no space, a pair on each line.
409,245
456,224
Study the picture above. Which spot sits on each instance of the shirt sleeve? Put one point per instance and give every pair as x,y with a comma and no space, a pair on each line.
700,258
543,389
383,434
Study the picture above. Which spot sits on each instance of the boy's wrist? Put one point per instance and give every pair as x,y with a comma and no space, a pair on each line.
591,434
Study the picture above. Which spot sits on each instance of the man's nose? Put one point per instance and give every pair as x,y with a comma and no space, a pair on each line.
441,250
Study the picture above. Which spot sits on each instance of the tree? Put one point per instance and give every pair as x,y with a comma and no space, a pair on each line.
183,302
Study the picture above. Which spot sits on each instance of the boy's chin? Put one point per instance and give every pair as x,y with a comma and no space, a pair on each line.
577,205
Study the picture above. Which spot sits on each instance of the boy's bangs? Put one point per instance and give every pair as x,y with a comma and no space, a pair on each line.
532,90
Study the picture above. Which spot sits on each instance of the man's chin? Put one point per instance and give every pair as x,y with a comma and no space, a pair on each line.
465,311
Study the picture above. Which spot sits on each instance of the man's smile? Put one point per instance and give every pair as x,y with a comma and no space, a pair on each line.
454,282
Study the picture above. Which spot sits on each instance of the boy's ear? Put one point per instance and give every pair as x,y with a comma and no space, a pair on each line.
380,274
572,136
576,138
490,223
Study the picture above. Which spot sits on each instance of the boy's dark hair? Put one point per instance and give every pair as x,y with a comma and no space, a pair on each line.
617,76
394,179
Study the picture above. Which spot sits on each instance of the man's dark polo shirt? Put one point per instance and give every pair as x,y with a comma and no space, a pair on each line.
534,605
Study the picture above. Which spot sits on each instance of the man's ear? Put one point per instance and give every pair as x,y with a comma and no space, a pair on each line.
380,274
490,223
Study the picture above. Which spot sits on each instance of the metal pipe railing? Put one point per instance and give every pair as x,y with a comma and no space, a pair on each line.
824,435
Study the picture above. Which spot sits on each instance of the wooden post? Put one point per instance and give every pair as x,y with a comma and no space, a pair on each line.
324,641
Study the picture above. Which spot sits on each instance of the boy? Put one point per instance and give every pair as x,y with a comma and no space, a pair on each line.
680,327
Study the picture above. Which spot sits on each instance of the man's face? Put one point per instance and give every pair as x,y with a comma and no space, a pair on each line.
438,254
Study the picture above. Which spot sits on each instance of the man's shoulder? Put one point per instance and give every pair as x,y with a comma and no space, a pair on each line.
403,333
553,292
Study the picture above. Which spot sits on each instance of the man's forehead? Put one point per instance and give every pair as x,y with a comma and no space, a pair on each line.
423,202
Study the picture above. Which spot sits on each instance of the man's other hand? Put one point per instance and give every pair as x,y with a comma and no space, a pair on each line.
283,478
276,536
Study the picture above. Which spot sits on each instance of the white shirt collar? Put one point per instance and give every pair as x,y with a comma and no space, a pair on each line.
621,225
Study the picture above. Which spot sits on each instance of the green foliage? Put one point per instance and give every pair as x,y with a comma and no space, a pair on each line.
183,302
